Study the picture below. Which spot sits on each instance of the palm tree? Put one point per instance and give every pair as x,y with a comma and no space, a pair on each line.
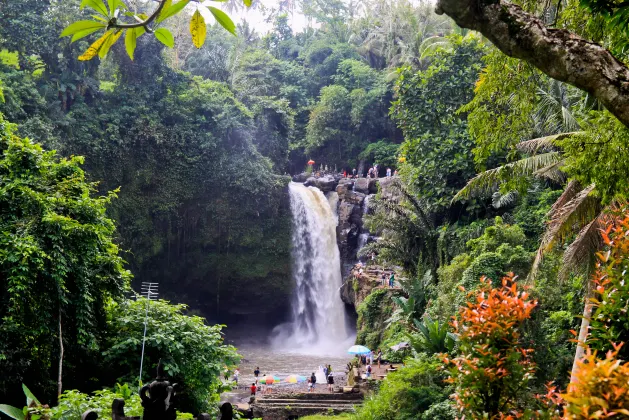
578,213
406,230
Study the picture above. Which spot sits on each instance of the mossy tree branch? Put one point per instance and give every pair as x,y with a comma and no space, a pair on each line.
559,53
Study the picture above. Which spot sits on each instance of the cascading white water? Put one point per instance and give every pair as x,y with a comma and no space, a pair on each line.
318,314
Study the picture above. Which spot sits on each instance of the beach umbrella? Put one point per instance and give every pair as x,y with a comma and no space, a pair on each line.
293,379
269,380
358,350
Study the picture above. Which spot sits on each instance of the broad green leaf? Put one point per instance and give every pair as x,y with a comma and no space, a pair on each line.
130,42
93,50
164,36
13,412
198,29
108,43
222,18
83,34
116,4
97,5
29,396
172,10
82,25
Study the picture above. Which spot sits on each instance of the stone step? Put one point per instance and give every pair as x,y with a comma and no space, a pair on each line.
318,406
312,396
303,403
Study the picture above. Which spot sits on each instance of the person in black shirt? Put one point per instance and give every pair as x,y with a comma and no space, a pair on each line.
313,380
256,372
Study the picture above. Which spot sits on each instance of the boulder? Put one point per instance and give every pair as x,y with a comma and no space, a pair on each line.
302,177
373,185
326,183
345,186
354,197
356,218
362,185
311,182
387,190
345,213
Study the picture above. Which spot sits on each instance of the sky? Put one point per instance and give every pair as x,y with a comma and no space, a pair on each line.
255,16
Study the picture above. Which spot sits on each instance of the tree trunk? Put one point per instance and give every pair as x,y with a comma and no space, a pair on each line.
59,383
560,54
583,331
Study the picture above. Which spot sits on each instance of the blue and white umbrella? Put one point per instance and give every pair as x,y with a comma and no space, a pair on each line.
358,350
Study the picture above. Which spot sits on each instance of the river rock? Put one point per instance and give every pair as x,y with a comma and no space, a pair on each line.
362,185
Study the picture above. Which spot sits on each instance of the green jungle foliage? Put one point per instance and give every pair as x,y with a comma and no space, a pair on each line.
58,263
192,353
417,391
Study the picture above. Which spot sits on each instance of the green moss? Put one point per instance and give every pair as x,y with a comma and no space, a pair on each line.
373,313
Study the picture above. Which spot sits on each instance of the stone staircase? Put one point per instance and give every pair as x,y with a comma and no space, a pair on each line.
294,406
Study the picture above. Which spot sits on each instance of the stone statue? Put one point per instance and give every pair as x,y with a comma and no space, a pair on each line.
157,398
227,412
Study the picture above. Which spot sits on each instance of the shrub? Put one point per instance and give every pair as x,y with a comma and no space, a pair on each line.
408,392
600,389
610,320
492,369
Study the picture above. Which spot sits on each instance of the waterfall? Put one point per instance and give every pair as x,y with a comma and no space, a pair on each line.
364,235
318,314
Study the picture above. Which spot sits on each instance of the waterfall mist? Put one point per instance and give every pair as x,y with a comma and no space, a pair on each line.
318,323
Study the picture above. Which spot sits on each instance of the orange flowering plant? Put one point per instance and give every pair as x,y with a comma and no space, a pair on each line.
492,370
600,389
610,319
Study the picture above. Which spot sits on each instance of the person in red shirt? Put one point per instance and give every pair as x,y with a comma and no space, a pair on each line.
254,388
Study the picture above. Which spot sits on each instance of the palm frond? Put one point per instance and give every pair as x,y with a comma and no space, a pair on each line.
579,256
567,220
553,172
569,192
504,200
544,144
487,182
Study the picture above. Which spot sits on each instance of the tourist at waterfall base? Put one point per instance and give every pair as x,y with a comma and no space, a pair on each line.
325,371
256,372
254,388
236,375
313,381
384,279
330,382
368,371
388,172
392,280
379,358
354,173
